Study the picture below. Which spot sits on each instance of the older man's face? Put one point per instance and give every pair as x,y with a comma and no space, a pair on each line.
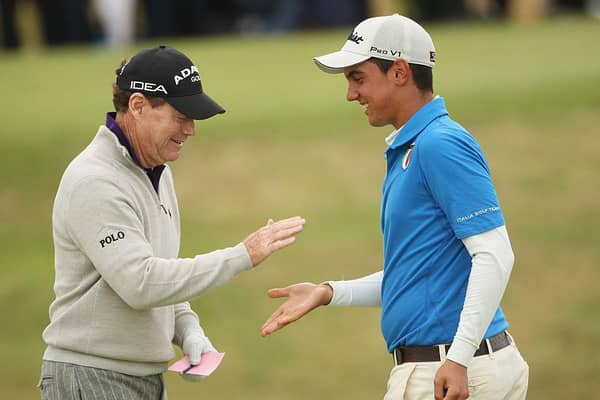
162,133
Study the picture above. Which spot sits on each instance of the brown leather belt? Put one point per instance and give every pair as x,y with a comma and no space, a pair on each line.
432,353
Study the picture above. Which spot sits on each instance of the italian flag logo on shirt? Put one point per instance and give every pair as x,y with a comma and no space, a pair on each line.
406,158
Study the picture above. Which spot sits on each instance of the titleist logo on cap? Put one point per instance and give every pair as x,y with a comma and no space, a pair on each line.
354,37
387,37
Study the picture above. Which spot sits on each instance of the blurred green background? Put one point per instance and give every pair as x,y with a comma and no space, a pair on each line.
290,144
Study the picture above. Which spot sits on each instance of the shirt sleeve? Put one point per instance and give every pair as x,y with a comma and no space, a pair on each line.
98,207
365,291
460,182
492,261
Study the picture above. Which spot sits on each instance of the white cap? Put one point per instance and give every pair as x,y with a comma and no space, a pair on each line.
390,37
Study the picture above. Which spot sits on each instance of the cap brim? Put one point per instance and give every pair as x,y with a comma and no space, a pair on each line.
197,106
334,63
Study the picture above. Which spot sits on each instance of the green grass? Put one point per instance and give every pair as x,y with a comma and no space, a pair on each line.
289,144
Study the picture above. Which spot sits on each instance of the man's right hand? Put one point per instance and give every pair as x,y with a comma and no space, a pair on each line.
272,237
302,298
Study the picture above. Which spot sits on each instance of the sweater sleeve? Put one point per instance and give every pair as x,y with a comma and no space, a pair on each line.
104,223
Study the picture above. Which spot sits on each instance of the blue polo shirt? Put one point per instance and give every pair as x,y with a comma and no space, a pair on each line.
437,191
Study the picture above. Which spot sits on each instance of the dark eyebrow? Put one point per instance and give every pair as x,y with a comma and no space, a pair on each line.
354,74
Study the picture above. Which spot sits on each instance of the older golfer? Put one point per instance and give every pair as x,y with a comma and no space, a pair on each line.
121,290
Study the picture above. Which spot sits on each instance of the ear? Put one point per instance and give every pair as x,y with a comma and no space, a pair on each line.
136,104
400,71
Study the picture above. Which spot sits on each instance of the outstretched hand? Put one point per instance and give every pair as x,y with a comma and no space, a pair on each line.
272,237
302,298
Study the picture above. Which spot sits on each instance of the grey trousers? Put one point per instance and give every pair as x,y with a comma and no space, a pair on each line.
62,381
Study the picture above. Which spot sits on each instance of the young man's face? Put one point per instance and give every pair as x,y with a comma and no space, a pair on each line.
162,134
374,90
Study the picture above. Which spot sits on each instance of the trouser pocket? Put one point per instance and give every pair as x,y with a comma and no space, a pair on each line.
44,385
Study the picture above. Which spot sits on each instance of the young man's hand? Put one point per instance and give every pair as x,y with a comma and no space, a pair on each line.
302,298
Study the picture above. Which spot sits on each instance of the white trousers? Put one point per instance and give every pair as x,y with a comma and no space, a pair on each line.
502,375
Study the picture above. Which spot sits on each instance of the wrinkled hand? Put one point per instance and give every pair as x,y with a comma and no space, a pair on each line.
451,382
302,298
195,343
272,237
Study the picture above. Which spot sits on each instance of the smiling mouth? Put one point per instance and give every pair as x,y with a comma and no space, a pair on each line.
365,107
178,142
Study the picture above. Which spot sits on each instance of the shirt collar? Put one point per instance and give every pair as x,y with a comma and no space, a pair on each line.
153,173
389,139
424,116
111,123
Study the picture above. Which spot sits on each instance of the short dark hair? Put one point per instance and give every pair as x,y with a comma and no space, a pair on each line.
121,97
422,74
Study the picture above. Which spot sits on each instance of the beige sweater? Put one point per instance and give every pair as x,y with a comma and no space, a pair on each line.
121,292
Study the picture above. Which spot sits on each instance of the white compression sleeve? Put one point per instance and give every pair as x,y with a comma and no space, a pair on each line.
492,261
365,291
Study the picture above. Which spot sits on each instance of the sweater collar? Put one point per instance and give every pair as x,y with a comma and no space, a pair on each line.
153,173
111,123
